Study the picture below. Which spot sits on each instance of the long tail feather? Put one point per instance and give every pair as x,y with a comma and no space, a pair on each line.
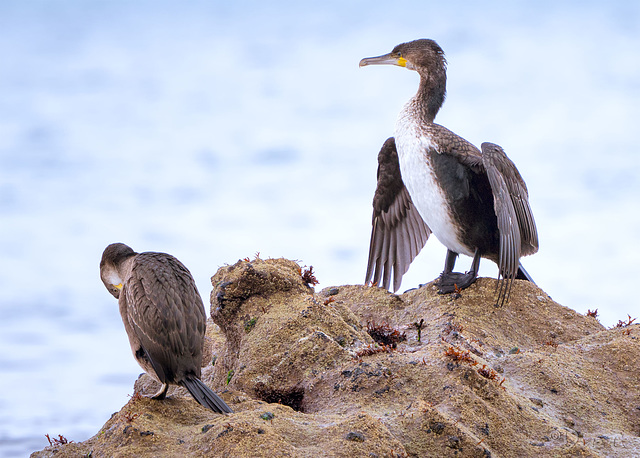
523,274
203,394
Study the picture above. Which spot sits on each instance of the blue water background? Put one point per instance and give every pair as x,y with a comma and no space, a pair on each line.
216,130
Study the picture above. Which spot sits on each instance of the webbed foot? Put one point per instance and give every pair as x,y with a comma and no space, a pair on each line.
452,281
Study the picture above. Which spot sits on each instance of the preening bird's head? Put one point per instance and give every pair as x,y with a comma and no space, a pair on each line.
112,258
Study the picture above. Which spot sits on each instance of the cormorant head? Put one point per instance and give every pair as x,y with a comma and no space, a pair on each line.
427,58
112,258
423,56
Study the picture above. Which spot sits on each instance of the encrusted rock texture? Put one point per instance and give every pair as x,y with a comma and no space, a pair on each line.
305,376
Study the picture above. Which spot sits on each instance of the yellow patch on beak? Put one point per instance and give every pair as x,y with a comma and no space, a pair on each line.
402,62
118,286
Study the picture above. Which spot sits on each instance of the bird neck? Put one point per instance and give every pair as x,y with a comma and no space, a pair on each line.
124,268
430,96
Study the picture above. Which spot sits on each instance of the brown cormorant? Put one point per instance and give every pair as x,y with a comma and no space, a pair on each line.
430,180
163,316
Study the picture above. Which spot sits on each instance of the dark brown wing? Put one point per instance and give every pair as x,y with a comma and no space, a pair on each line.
494,158
494,162
518,235
167,315
452,144
399,232
516,226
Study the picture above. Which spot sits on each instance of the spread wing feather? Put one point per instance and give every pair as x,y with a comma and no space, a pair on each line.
495,157
518,235
398,231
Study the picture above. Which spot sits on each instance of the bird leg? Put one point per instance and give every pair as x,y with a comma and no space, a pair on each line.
449,281
448,268
450,261
162,392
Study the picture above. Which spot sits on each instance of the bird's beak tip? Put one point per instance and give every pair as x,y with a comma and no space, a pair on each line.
387,59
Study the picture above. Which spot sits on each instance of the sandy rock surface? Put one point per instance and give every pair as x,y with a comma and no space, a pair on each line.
305,377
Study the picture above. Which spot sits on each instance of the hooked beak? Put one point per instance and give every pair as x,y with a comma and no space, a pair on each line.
387,59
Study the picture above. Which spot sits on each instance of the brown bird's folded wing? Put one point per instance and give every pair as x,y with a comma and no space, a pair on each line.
167,314
399,232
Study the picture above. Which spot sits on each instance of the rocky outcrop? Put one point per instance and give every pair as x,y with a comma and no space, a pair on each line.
305,377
